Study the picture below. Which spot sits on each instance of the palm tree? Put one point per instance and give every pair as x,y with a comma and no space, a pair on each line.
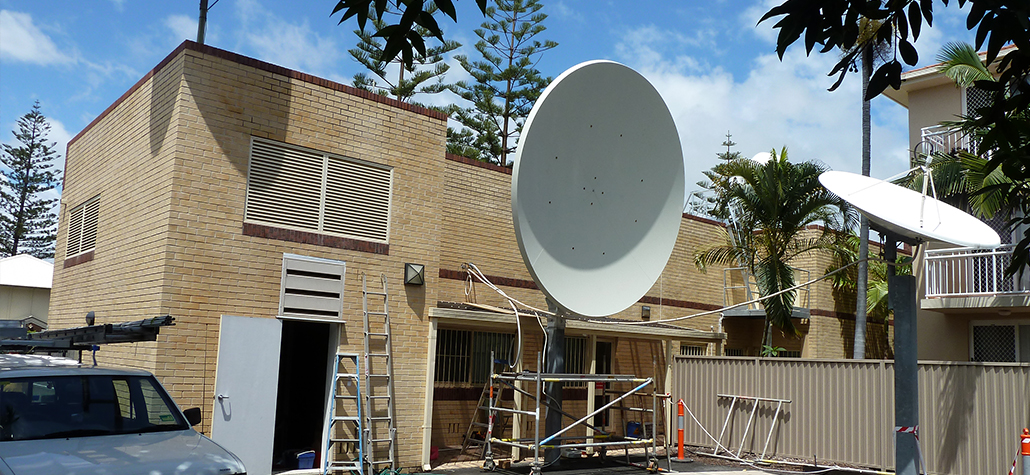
845,254
774,203
873,49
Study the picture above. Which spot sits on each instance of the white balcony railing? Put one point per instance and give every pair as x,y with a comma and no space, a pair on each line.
959,272
939,138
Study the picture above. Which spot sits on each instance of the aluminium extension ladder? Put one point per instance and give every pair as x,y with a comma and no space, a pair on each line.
345,418
380,430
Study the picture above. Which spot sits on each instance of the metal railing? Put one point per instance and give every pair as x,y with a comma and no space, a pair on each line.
946,139
967,271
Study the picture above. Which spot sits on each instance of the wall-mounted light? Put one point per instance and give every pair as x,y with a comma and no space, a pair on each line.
414,274
645,312
91,318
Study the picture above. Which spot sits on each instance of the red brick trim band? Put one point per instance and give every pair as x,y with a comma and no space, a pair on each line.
529,284
478,163
335,86
473,394
79,259
272,68
496,280
305,237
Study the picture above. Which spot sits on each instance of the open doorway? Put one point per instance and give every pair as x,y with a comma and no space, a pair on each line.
303,384
603,365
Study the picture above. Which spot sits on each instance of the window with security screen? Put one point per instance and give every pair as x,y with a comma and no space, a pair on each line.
82,227
463,356
309,190
1000,342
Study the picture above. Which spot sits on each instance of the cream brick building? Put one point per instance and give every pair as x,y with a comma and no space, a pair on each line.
193,192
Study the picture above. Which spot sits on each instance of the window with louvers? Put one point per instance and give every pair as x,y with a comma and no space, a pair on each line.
82,227
309,190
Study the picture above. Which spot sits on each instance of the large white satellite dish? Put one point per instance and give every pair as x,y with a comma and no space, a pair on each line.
908,213
597,188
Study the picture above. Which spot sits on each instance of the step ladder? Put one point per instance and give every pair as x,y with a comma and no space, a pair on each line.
380,431
490,397
344,447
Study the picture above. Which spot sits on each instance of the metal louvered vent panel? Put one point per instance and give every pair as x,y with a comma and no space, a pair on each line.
312,190
90,218
358,200
284,185
312,288
82,227
74,231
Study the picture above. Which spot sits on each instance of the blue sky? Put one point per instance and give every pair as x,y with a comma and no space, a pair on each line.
717,71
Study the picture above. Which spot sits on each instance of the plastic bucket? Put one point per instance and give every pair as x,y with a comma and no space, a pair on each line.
633,429
306,459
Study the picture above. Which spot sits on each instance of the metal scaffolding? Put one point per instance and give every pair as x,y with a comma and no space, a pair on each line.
601,438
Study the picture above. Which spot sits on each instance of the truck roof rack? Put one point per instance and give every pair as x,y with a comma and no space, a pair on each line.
84,338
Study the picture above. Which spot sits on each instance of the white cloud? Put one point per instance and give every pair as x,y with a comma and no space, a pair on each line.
21,40
278,41
182,27
778,104
60,136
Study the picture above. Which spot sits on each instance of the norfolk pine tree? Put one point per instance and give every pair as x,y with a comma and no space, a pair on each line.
424,75
28,223
507,82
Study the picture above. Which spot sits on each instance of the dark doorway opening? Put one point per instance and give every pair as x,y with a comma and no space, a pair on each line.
603,355
300,405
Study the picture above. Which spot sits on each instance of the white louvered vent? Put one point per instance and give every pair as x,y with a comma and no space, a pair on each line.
310,190
312,288
82,227
358,200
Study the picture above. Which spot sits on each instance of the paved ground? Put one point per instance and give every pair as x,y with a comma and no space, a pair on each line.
594,465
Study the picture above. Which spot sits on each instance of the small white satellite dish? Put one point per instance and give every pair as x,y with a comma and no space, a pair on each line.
908,213
762,157
597,188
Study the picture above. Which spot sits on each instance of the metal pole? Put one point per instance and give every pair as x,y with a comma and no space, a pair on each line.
202,22
536,435
553,389
902,296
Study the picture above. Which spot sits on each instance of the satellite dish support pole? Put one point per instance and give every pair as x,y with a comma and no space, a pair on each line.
902,297
553,389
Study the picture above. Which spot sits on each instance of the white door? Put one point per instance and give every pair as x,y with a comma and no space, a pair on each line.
246,383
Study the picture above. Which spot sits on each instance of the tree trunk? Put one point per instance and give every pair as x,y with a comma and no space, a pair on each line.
863,232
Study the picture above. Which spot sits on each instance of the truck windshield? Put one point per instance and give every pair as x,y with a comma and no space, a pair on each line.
81,406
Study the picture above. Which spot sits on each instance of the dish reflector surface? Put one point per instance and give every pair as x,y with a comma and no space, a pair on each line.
597,188
897,210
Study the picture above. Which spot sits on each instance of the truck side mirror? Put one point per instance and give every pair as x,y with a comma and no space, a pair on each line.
193,416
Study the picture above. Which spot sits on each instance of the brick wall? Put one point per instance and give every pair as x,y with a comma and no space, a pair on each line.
170,161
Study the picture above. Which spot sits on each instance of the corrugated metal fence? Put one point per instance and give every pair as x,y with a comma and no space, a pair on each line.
843,410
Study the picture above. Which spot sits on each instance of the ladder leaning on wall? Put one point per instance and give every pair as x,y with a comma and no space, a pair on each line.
380,431
345,418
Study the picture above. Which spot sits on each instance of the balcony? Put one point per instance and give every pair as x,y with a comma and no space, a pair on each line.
973,278
740,285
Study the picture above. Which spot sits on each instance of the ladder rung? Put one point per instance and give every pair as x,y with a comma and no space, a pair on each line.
372,292
346,375
381,418
378,314
344,440
378,375
345,396
388,397
345,418
379,355
381,440
378,334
